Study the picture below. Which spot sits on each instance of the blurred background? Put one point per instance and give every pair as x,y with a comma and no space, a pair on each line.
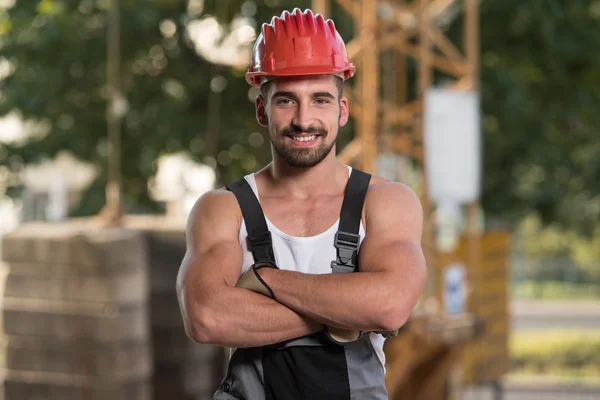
115,116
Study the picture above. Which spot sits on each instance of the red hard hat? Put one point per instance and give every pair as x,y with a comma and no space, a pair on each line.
300,43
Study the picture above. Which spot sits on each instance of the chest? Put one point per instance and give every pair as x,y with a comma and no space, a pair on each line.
302,218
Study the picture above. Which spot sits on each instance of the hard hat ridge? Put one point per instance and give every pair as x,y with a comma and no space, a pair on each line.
298,43
278,26
300,23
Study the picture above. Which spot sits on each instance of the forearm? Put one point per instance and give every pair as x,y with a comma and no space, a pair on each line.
358,301
239,318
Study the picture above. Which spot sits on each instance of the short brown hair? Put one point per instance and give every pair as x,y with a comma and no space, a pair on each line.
264,88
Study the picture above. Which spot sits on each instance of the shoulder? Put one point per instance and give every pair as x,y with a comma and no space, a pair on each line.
216,201
383,190
215,209
391,201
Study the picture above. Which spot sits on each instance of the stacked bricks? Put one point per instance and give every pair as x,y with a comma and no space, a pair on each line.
75,313
92,313
184,370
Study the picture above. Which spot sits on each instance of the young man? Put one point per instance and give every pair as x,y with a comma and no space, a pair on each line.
266,262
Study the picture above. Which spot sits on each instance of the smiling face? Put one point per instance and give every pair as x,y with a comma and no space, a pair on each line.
303,116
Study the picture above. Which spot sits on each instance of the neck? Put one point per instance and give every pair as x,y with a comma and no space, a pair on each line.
326,177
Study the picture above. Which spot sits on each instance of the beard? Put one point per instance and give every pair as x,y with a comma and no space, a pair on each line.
298,157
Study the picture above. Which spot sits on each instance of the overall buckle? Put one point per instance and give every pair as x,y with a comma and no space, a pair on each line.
260,240
261,247
347,248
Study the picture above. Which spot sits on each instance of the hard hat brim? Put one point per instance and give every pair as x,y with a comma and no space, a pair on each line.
257,78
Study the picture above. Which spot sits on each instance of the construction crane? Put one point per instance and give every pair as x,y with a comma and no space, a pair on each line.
387,34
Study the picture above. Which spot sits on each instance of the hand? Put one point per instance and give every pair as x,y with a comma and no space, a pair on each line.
252,280
342,336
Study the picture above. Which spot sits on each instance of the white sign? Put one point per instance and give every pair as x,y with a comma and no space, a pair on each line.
452,145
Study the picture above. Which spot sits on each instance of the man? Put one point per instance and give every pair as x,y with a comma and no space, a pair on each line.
258,274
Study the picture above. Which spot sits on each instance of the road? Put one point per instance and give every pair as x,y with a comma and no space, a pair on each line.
538,389
530,315
536,316
534,394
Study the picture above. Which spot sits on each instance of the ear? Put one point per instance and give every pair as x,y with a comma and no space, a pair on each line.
344,111
261,111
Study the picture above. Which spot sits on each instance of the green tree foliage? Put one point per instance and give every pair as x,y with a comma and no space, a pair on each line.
540,63
58,52
540,98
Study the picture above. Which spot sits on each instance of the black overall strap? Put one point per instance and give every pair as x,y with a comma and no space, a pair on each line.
259,237
347,238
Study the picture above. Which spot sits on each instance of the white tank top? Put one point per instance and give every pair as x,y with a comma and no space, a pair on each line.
311,254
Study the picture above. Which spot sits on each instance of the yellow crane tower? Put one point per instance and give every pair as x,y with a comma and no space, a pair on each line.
387,33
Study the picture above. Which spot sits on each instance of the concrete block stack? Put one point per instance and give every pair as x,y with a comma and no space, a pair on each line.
91,313
75,313
184,370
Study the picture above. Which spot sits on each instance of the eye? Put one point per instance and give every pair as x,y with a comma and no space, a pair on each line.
322,101
284,101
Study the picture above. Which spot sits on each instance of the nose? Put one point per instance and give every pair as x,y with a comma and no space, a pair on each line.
302,118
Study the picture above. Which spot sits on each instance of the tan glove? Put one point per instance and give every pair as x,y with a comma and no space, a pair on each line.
344,336
251,280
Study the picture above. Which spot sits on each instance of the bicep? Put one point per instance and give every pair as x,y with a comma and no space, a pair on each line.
213,253
394,226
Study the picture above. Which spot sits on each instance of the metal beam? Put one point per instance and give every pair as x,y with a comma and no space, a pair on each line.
112,212
407,17
351,7
471,44
437,8
472,39
398,115
322,7
368,80
451,67
350,152
445,45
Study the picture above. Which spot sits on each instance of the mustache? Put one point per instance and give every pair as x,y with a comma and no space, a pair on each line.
294,129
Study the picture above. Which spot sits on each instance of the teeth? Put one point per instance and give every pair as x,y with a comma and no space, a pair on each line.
304,138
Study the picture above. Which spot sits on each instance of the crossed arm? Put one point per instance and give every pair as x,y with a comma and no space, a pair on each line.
213,309
392,270
379,297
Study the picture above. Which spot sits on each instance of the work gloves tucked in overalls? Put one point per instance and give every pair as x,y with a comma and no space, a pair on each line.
252,280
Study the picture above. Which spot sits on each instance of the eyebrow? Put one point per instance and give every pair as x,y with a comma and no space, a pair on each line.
283,94
293,95
324,94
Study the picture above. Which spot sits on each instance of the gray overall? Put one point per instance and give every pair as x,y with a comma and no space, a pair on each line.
314,367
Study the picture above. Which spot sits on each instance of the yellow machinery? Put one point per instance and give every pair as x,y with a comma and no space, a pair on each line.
435,352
